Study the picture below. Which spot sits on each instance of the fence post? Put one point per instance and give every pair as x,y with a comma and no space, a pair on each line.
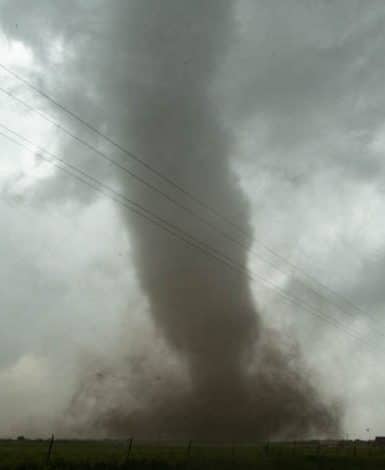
50,449
130,441
128,452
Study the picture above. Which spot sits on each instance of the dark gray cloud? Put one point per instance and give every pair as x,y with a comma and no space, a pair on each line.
312,75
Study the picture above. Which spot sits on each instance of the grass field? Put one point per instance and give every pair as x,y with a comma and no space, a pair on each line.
32,454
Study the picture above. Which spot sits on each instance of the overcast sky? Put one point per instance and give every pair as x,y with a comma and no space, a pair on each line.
302,89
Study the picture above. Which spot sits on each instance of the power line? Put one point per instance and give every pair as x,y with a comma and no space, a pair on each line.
177,203
173,200
177,186
131,155
125,169
172,229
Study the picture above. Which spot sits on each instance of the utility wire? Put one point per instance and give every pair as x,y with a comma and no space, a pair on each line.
144,182
184,207
170,228
177,186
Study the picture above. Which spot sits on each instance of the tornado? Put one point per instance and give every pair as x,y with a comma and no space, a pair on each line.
155,68
240,382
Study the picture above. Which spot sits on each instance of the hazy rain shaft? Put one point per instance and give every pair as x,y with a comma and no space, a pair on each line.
154,67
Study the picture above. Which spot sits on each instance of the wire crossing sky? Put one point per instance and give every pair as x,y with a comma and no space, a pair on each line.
310,308
345,302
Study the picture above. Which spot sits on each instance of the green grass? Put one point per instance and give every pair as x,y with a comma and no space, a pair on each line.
71,455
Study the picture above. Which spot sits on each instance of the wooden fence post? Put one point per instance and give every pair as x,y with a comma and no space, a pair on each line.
50,449
130,441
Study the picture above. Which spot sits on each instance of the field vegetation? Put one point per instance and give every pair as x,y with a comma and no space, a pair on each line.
113,454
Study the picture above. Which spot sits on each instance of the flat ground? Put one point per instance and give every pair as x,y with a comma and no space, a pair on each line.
33,454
